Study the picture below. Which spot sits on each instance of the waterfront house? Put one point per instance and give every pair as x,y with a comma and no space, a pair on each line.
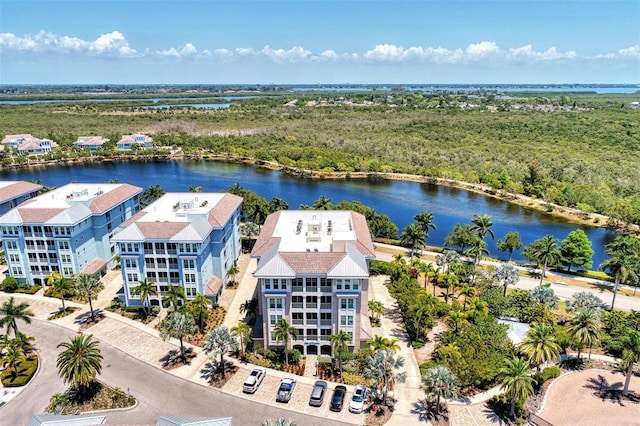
182,239
313,271
67,230
26,144
14,193
92,143
134,142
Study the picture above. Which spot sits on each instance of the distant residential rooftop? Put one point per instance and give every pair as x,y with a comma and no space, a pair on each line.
179,206
65,196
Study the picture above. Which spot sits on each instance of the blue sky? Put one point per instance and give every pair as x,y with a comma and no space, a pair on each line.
306,42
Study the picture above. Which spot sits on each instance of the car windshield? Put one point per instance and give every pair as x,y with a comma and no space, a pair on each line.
285,386
357,397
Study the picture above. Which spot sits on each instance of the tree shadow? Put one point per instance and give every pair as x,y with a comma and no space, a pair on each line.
173,358
86,318
492,416
209,371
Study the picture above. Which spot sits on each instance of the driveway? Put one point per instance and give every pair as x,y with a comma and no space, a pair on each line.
158,393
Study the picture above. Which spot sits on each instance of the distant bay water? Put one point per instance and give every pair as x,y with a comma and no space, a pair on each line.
399,200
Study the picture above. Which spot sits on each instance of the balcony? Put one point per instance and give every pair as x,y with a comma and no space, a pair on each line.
297,288
312,289
297,305
325,322
326,289
297,321
325,306
312,305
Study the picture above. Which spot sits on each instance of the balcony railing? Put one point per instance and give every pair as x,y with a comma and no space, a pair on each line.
326,289
325,306
312,288
297,305
312,305
297,321
325,322
297,288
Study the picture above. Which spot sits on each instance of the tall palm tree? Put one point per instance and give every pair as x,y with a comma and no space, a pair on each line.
61,286
482,226
88,286
427,269
439,382
517,382
507,275
173,297
80,362
425,220
622,263
24,341
322,203
630,343
220,341
144,289
377,343
244,331
178,326
477,249
339,343
12,357
151,194
546,253
382,369
445,259
412,236
199,308
233,272
259,212
540,345
584,329
468,291
277,204
510,243
284,332
10,313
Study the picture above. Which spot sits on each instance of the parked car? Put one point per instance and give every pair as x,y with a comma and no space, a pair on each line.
337,400
357,400
286,388
252,382
317,394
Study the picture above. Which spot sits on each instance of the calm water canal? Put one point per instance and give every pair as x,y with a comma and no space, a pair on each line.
399,200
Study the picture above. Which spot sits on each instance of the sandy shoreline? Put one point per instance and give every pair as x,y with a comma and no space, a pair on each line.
567,213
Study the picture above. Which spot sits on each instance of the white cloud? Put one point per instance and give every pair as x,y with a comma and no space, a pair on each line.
188,50
295,54
113,44
527,52
633,51
482,50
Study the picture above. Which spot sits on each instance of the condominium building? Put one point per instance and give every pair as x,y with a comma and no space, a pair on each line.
14,193
313,271
182,239
67,230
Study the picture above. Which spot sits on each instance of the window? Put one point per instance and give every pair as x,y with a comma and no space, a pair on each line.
188,263
312,317
131,263
267,283
14,258
312,333
190,291
346,303
297,317
173,262
190,278
346,320
63,245
275,303
12,245
296,301
274,318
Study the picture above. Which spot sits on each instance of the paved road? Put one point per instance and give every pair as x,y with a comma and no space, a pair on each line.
158,393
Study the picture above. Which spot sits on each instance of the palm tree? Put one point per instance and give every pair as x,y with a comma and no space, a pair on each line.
233,272
445,259
244,331
151,194
482,226
412,236
284,332
439,382
467,291
540,345
510,243
80,362
376,308
380,343
219,341
623,253
322,203
277,204
259,212
199,308
12,357
339,343
23,341
10,313
425,221
517,382
477,249
144,289
630,343
585,299
381,368
173,297
279,422
250,309
195,189
507,275
457,320
427,269
88,286
178,326
61,286
584,329
546,253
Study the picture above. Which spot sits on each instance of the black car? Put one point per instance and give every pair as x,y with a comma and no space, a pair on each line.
337,401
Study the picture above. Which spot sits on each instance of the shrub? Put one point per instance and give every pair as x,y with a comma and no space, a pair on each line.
353,378
29,290
26,370
294,356
501,406
9,285
598,275
379,267
563,338
426,366
550,373
417,344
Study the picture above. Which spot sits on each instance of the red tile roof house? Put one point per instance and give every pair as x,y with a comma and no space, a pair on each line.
313,271
28,145
182,239
131,142
67,230
92,143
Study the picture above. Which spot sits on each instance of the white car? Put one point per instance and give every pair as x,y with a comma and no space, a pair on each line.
357,400
254,379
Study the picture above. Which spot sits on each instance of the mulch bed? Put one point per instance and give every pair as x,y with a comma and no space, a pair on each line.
218,381
378,414
327,373
97,397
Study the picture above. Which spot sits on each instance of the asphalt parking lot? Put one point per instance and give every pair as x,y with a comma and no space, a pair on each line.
299,402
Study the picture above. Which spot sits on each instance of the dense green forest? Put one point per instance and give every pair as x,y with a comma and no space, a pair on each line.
574,149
